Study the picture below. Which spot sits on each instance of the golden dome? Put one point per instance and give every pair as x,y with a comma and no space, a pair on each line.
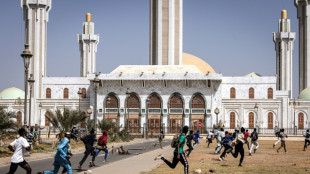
203,66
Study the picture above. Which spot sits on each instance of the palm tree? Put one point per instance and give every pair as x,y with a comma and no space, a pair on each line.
106,125
90,124
64,122
7,121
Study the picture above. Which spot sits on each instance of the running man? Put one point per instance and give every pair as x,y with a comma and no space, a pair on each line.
220,136
239,146
279,139
283,137
102,146
307,139
89,146
18,146
178,155
196,138
246,135
226,142
254,137
189,139
160,139
210,137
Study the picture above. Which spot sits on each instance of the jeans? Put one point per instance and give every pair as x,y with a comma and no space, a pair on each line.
56,169
97,152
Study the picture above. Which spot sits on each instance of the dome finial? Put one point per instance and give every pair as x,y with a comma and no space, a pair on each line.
284,14
88,17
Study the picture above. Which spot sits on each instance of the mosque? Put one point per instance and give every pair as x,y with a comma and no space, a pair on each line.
175,89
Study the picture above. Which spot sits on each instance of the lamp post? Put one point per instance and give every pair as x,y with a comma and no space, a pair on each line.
80,94
108,102
40,106
294,103
19,102
148,100
217,111
127,124
96,82
26,55
31,82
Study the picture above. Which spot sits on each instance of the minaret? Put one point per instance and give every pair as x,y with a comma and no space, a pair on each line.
166,30
36,18
284,40
303,9
88,47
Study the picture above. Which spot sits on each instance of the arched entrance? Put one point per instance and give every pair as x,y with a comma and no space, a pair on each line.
111,108
301,117
251,120
197,114
154,113
175,113
232,120
270,120
133,113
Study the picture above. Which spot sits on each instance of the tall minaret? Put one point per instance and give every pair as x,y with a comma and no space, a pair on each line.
284,40
303,9
166,30
88,47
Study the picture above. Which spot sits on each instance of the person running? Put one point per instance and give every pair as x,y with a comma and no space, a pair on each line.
62,156
189,139
178,155
18,146
307,139
254,137
238,142
160,139
279,139
246,135
226,142
89,146
283,137
219,137
196,138
102,146
210,138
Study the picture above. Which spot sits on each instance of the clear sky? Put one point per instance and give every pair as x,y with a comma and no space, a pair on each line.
234,37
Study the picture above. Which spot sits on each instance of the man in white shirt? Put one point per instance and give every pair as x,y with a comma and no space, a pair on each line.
18,146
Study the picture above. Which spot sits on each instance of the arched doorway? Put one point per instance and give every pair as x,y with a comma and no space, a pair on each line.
111,108
133,113
197,114
176,113
251,120
232,120
154,111
301,117
270,120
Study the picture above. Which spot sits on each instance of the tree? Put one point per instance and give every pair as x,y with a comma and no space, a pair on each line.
107,125
7,121
64,122
90,124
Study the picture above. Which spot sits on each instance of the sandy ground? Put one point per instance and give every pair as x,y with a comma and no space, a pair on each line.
265,160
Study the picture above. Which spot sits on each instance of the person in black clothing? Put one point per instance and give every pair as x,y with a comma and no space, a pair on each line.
89,146
239,146
307,139
226,142
189,139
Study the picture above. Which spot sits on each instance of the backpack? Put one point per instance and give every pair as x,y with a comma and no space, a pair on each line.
307,135
175,141
254,137
101,143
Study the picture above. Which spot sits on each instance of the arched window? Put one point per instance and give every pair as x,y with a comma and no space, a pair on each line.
270,120
232,93
19,118
133,101
113,103
154,101
300,120
83,93
251,93
198,102
48,93
66,93
232,120
176,101
251,120
47,122
270,93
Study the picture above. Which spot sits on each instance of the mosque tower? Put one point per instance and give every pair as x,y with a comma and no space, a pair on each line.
284,40
166,30
303,9
88,47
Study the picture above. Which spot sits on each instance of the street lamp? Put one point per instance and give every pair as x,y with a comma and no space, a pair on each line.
26,55
80,94
40,106
294,104
217,111
108,101
148,100
128,93
96,82
31,82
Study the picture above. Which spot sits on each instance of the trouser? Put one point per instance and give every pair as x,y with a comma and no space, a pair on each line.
86,153
56,169
209,141
175,161
239,149
307,143
160,143
218,148
97,152
247,143
226,148
23,164
65,169
282,145
279,139
254,143
196,143
190,148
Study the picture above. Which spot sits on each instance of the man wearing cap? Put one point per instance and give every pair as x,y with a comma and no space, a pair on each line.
227,141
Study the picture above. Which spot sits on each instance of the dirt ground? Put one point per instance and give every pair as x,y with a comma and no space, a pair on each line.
265,160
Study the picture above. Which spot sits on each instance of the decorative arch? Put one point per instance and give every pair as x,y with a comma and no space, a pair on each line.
198,101
232,93
176,104
154,117
251,120
114,101
197,114
232,120
155,101
301,119
111,107
133,105
270,120
133,101
176,101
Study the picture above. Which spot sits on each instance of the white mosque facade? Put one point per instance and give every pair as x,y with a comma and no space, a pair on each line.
176,89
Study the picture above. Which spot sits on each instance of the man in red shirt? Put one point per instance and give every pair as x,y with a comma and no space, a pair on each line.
246,135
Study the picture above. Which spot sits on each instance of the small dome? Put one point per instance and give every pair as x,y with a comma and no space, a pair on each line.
203,66
305,94
12,93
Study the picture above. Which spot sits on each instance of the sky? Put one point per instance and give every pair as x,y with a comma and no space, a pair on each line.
234,37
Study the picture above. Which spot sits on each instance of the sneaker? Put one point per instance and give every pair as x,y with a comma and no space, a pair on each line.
105,161
158,157
273,146
79,167
250,154
255,150
240,165
221,159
